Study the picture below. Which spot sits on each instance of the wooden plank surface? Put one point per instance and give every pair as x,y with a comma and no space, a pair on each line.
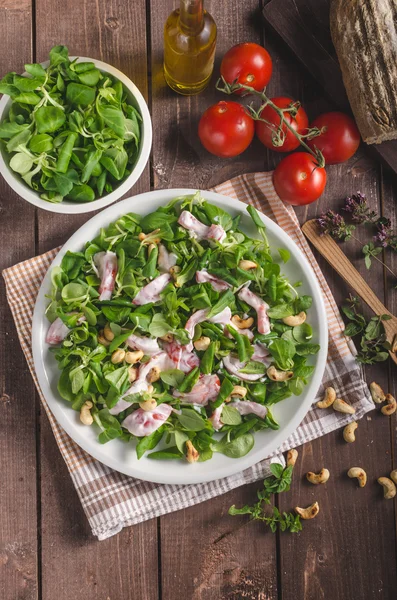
199,553
19,573
72,559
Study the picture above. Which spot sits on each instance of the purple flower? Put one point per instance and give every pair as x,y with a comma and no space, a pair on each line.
358,208
385,236
334,224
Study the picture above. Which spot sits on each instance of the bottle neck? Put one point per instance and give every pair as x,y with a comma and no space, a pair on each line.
191,16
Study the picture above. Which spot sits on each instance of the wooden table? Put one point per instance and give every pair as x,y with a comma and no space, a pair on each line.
46,549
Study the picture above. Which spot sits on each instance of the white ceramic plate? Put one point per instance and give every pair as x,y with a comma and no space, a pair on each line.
67,206
121,456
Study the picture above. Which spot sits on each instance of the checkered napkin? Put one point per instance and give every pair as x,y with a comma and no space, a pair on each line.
111,500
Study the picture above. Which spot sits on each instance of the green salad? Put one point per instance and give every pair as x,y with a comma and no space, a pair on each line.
70,132
176,326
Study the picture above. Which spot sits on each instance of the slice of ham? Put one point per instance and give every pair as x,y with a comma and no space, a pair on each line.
57,332
224,318
261,354
233,366
106,264
199,230
263,323
206,389
166,260
215,418
149,346
181,357
219,285
142,423
141,383
151,292
245,407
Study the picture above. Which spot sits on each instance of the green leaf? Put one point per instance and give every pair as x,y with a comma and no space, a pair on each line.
302,333
280,311
230,416
159,326
81,193
172,377
74,292
149,442
180,439
224,301
79,94
367,261
21,163
191,420
58,55
169,453
284,254
8,130
217,215
49,119
113,118
283,352
237,448
20,139
41,142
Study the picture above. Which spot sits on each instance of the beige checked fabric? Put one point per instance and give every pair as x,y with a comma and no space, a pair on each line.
111,500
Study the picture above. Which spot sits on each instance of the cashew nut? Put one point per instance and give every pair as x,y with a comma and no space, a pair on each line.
390,407
329,398
316,478
132,374
108,333
102,340
239,391
308,513
118,356
276,375
292,456
378,395
168,337
247,265
358,473
133,357
148,405
85,413
153,375
294,320
202,343
389,488
242,323
174,272
341,406
393,476
192,455
348,432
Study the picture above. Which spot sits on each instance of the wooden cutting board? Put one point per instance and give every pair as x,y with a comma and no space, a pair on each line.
304,26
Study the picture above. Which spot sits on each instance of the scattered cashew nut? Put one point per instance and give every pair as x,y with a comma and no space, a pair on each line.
358,473
247,265
242,323
132,374
85,413
118,356
276,375
202,343
341,406
378,395
133,357
239,391
192,455
168,337
393,476
316,478
329,398
153,375
148,405
292,456
294,320
389,488
390,407
108,333
348,432
308,513
102,340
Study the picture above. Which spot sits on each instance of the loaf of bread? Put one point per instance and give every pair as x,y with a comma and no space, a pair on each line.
364,33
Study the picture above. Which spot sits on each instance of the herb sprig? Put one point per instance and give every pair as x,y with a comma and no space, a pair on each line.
280,481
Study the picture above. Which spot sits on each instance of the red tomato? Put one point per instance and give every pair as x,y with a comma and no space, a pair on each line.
340,139
298,180
266,132
226,129
249,64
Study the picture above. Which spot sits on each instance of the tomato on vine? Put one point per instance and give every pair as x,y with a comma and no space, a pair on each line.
226,129
247,64
339,137
269,130
298,179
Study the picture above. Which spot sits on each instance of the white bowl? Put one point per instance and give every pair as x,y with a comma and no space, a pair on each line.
121,456
67,207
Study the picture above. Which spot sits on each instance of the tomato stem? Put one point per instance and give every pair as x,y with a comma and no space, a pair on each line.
231,88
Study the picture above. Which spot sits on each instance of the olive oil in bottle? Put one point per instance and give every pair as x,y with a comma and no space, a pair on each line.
189,47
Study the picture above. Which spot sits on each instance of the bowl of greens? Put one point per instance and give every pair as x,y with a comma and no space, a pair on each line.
75,133
179,337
